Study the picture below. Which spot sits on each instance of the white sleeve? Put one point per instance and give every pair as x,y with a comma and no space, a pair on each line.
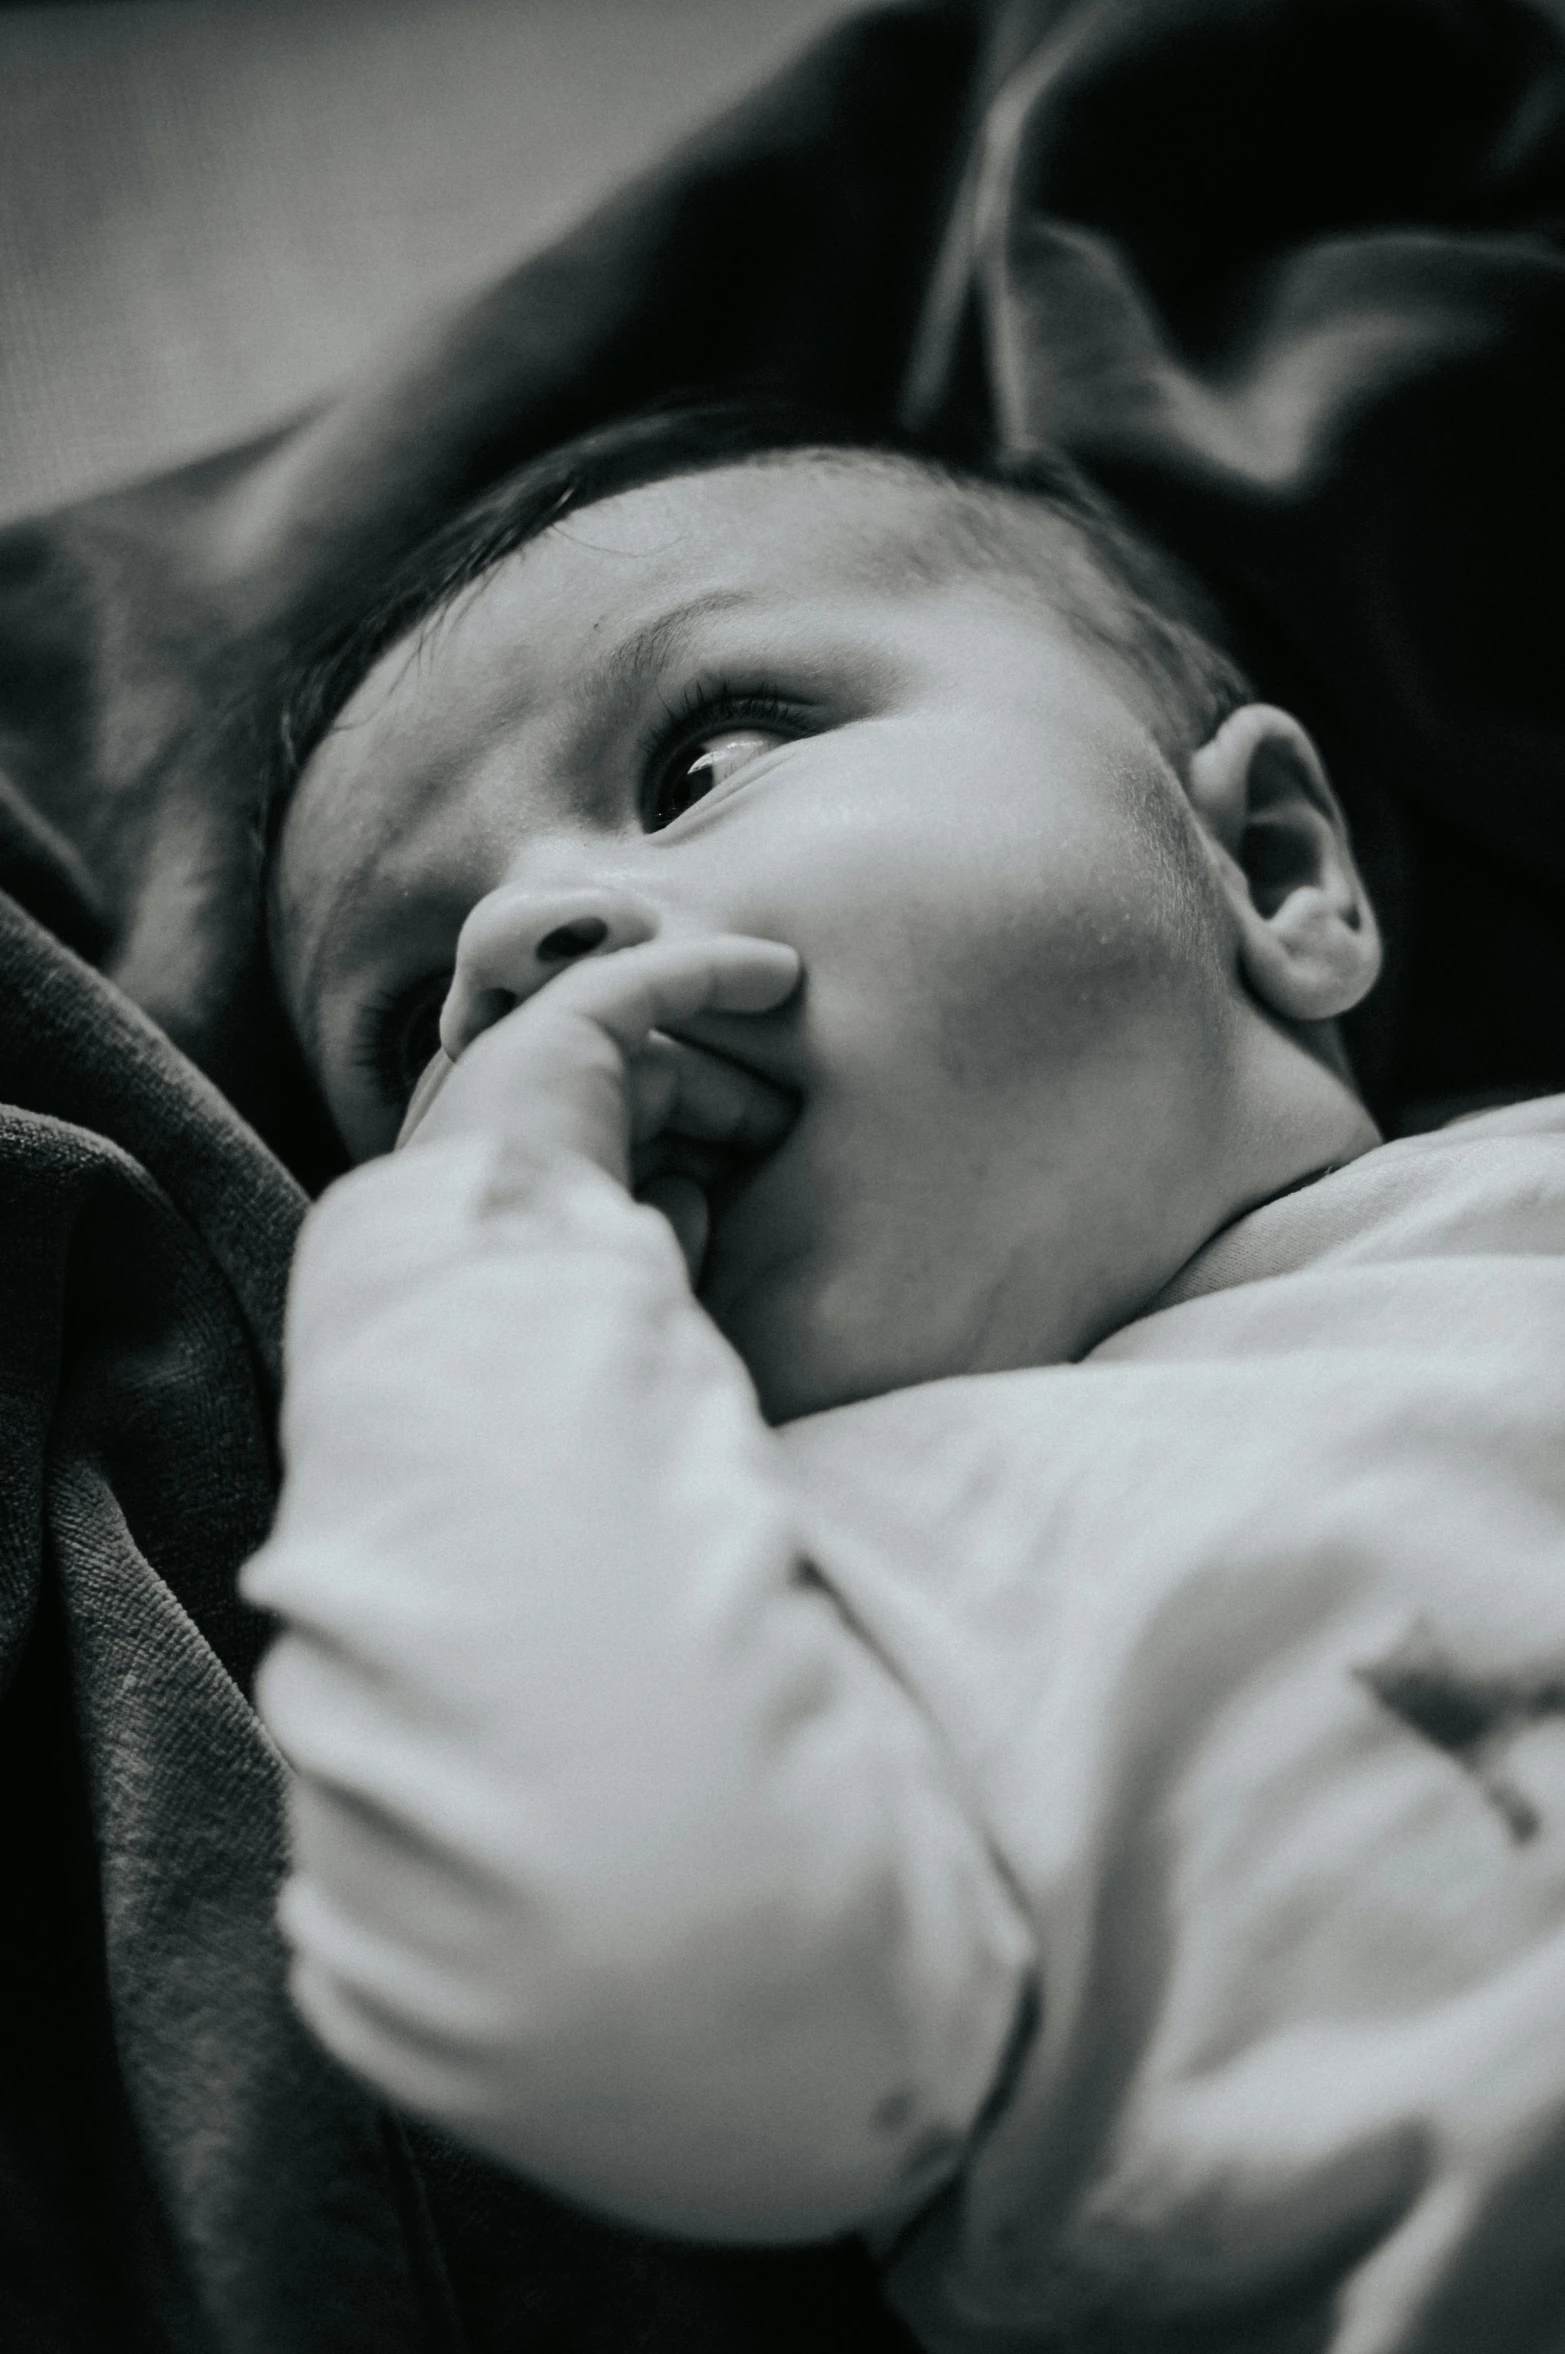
616,1847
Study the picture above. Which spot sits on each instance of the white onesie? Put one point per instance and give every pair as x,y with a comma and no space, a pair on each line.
1101,1829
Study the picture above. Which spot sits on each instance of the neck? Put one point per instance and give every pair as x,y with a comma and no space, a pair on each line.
1303,1114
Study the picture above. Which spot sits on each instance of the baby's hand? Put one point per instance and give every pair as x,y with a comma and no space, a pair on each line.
585,1068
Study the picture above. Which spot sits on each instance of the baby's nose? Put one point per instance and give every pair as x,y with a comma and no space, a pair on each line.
517,939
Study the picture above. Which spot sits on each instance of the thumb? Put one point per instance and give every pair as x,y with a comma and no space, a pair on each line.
684,1205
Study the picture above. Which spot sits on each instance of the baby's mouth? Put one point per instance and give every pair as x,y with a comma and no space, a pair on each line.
698,1184
727,1188
729,1115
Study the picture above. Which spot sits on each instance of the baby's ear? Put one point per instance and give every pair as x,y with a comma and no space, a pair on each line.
1309,946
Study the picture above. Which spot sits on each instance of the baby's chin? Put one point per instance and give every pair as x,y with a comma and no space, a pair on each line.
798,1370
814,1335
836,1317
809,1349
830,1297
766,1287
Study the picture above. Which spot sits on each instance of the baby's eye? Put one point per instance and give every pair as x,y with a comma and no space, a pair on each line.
697,767
400,1034
420,1035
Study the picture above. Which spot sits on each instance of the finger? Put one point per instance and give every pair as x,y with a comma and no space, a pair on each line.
684,1205
638,990
515,941
701,1094
555,1073
651,1087
431,1080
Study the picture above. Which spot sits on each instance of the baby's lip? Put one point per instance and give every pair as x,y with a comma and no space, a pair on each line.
720,1145
738,1172
770,1047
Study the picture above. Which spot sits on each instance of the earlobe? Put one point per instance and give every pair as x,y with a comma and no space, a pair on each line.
1309,946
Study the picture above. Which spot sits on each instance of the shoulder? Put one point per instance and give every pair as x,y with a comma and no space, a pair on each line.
1490,1185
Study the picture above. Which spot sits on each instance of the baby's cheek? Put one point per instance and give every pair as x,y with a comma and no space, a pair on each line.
1063,987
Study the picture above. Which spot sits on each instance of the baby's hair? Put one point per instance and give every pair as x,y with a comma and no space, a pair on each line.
1085,563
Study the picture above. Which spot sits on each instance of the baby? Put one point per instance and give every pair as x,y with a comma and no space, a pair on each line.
834,935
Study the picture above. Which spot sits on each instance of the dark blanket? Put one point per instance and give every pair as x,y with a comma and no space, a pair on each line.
1285,276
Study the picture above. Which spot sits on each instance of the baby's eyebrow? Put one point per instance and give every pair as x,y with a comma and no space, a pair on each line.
606,686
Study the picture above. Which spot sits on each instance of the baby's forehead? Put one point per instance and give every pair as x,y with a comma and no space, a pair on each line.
776,551
850,503
805,523
795,530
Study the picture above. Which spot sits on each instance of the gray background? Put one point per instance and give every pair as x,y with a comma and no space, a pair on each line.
210,210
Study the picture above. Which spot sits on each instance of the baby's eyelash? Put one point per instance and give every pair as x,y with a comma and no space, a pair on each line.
394,1035
718,699
704,707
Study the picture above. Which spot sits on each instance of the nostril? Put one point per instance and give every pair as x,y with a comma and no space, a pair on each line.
568,940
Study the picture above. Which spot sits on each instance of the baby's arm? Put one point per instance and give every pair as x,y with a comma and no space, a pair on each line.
616,1848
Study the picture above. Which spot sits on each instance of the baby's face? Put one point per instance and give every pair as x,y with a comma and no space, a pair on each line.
734,696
